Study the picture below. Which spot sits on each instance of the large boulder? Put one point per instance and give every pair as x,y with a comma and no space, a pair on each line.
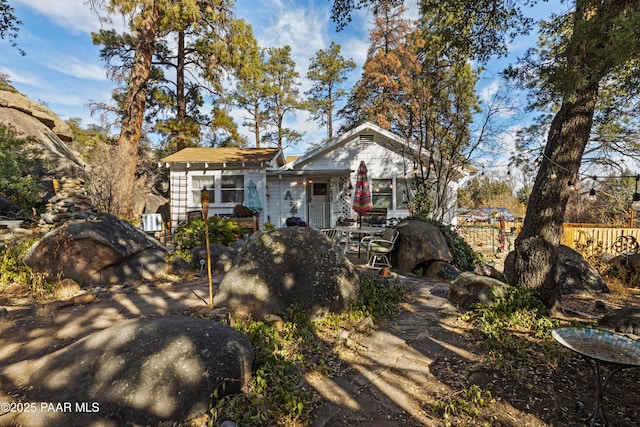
140,372
98,251
13,100
297,265
221,256
419,243
573,273
469,289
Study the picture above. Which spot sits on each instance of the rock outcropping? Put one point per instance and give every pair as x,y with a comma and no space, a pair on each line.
50,133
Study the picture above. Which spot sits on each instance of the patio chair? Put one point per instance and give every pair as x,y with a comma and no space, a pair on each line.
379,248
332,234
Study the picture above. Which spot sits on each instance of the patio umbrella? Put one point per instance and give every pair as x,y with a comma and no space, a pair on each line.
251,199
362,202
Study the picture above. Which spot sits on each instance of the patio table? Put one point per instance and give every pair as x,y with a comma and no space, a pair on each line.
600,348
349,231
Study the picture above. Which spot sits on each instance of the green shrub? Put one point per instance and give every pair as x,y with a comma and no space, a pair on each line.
464,257
514,327
378,299
274,396
464,407
13,270
190,234
19,166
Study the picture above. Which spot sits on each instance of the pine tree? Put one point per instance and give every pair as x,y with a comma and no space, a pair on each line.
327,70
283,97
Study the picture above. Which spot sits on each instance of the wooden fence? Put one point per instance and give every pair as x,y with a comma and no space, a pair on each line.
588,239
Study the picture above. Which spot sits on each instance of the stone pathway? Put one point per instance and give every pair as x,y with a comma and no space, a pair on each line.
391,377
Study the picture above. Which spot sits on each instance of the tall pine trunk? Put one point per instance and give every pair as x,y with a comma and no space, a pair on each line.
134,108
181,99
536,248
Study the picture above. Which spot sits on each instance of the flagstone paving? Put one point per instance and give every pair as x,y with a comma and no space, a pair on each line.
391,376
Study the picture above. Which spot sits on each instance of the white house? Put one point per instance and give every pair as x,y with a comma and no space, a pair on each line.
316,187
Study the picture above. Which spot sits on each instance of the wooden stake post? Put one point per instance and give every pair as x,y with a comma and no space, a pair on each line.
204,200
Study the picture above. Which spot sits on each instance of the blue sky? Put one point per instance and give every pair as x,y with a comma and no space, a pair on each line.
62,68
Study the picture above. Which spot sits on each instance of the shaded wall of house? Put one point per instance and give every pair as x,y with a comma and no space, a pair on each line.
287,198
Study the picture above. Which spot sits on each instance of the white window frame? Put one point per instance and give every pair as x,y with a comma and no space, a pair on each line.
386,191
237,190
197,185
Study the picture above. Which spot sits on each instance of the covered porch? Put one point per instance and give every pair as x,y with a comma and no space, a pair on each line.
319,198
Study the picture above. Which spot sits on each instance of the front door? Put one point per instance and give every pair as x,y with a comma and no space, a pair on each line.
319,204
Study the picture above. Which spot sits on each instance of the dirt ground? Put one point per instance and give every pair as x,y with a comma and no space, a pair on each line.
426,378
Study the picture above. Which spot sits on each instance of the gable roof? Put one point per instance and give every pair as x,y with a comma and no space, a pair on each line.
382,137
231,155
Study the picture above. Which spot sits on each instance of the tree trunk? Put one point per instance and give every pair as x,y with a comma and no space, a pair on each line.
181,99
134,108
257,121
536,248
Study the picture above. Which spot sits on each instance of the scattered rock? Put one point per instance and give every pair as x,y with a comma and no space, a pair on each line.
469,288
442,270
490,271
625,320
281,267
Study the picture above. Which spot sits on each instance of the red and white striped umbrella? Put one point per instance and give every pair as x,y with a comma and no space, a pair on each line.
362,202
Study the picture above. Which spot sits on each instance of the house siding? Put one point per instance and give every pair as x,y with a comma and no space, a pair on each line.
182,202
381,164
278,206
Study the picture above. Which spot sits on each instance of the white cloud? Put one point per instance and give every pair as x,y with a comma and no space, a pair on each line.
22,76
75,16
77,68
